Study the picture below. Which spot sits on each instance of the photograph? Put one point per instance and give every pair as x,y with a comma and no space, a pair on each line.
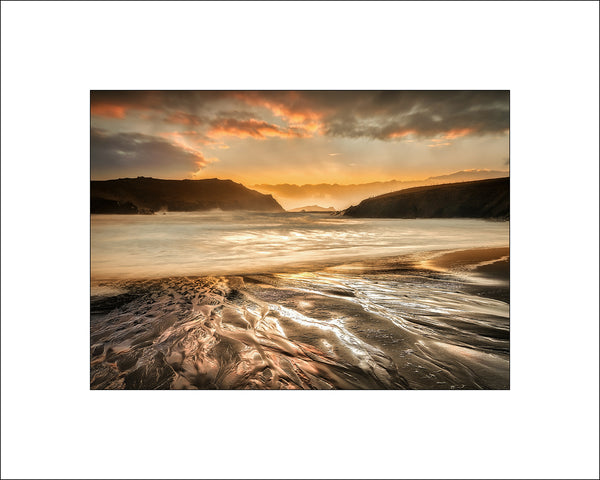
300,239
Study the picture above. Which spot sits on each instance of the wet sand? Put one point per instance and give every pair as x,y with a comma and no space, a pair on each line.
487,269
477,258
430,321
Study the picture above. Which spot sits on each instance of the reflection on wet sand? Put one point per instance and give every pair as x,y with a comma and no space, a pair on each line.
384,325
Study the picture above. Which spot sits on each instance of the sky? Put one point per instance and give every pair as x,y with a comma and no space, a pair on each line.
297,137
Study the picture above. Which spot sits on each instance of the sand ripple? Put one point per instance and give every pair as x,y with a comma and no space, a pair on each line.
297,331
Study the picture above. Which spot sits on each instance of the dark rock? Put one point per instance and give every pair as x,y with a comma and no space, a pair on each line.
148,195
104,205
478,199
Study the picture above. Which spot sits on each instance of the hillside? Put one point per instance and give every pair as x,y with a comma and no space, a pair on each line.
477,199
146,195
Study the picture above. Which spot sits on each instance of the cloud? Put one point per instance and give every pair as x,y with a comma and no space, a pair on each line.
108,110
293,106
160,100
402,132
192,139
376,115
389,115
182,118
251,128
139,154
119,103
333,154
457,133
457,115
238,114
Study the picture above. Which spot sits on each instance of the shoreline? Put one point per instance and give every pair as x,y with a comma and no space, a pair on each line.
478,259
484,272
490,261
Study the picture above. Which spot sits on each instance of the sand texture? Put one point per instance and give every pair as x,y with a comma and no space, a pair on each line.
422,322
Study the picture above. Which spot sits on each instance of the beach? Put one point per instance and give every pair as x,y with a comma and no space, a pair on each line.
436,319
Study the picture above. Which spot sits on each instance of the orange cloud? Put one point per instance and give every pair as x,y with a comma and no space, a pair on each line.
402,133
287,109
293,116
457,132
309,127
252,128
186,142
108,110
440,144
200,160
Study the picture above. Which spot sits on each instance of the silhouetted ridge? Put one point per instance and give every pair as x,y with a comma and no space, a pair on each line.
152,194
312,209
477,199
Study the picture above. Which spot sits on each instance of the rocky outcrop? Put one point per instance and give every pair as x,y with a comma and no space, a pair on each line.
146,195
478,199
104,205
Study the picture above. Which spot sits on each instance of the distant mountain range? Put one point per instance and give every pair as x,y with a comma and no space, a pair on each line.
477,199
313,208
147,195
342,196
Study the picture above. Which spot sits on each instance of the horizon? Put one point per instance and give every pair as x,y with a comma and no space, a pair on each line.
313,184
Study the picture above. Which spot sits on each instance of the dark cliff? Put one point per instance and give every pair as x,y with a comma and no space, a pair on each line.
143,195
477,199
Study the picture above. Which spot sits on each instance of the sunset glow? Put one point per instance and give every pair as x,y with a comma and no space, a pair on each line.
297,137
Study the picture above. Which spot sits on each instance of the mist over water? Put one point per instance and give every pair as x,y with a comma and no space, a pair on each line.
135,246
292,301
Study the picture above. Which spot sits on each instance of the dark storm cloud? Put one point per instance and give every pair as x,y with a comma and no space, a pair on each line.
379,115
130,151
382,114
182,118
158,100
385,115
118,103
433,121
388,114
